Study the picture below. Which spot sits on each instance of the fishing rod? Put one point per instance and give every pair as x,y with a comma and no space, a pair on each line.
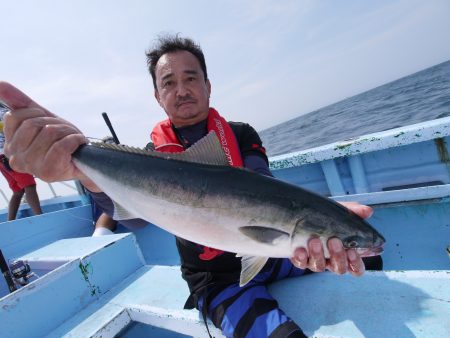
111,129
6,273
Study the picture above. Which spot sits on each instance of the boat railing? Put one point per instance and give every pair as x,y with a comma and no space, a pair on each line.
53,196
415,157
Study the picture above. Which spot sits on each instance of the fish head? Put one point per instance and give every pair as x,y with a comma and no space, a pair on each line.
352,230
356,233
366,244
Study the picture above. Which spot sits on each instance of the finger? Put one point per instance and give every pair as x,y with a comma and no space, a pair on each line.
54,144
316,261
16,99
62,150
300,259
338,256
59,154
361,210
355,264
43,143
27,130
13,119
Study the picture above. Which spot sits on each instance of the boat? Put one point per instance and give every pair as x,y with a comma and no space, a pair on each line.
130,285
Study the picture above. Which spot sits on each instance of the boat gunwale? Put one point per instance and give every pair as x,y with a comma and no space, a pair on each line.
402,136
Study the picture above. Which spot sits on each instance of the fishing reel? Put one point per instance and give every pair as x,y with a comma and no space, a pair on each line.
21,272
17,273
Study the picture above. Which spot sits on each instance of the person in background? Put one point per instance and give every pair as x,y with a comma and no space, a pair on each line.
20,183
182,88
104,224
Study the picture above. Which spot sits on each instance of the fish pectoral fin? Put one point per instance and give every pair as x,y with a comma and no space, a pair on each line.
251,266
120,213
264,234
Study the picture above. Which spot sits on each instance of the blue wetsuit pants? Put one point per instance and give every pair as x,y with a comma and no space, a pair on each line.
251,311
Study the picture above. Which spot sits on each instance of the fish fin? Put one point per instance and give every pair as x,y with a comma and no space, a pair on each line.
264,234
207,150
120,213
251,266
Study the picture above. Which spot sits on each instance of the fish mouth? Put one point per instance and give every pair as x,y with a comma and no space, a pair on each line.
369,252
375,249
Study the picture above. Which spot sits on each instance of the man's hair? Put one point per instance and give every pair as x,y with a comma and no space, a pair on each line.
173,43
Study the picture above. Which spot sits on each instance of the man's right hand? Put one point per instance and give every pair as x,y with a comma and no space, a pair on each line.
38,141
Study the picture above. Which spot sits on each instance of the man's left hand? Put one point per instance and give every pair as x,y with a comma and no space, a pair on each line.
341,260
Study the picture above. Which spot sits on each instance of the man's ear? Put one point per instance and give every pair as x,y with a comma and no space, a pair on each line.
157,97
208,87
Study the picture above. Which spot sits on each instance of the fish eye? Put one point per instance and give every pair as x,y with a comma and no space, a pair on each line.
351,242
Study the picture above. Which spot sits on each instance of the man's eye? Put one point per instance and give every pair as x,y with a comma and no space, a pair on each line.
167,83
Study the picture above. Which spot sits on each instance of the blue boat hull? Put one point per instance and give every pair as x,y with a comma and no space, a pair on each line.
131,283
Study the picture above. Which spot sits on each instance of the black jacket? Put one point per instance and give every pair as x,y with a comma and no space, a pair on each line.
224,268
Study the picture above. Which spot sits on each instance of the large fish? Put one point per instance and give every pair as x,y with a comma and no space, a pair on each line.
197,196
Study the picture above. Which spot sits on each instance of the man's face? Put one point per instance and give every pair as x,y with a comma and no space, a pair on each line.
181,89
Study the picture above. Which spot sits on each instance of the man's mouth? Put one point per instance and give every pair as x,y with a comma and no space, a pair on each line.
184,103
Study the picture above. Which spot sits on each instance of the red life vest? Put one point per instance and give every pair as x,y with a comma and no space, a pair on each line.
165,140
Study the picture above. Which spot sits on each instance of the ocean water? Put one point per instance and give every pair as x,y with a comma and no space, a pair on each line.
419,97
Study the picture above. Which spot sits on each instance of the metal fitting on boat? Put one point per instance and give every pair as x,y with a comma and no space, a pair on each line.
21,272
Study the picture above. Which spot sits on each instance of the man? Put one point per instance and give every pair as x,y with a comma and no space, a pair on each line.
20,183
182,89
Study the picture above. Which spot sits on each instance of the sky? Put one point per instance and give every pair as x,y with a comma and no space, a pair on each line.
268,61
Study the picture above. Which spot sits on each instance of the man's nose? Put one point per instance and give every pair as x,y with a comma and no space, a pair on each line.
182,90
